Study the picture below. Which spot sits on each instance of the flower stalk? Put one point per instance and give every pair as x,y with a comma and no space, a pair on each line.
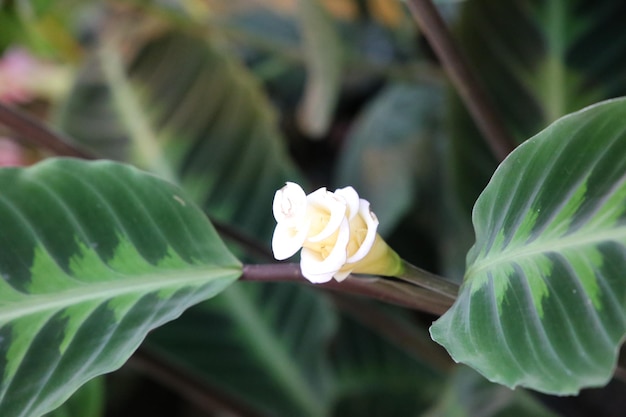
428,280
336,233
383,289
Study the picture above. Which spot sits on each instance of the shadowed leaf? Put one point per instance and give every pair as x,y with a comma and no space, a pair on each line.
470,395
264,344
539,60
389,150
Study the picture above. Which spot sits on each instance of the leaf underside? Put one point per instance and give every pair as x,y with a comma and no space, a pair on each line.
543,304
92,257
263,344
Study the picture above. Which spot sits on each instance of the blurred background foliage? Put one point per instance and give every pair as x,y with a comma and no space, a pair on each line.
230,99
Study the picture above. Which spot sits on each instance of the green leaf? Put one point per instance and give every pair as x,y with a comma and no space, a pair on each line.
539,60
264,344
544,297
42,27
92,256
376,378
88,401
199,111
209,115
389,151
470,395
324,58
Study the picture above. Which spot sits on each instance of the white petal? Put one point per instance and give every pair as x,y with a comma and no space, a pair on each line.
316,269
286,241
372,225
352,199
324,200
341,275
315,278
289,204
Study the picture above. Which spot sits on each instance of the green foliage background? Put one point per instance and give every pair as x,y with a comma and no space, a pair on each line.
228,100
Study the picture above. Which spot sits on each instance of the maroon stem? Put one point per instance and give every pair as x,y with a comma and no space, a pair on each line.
32,131
469,88
383,289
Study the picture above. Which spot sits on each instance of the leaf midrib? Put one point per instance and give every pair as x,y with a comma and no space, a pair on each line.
107,290
543,247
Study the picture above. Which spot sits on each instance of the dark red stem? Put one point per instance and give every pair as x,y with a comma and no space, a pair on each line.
466,83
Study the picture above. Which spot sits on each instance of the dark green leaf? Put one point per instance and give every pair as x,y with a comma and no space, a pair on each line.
88,401
539,61
324,58
92,257
470,395
376,378
543,304
264,344
219,134
390,149
191,111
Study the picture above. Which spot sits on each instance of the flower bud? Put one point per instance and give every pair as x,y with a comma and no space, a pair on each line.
336,232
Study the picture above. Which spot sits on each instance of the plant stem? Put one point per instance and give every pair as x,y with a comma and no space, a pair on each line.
469,88
429,281
383,289
36,133
251,246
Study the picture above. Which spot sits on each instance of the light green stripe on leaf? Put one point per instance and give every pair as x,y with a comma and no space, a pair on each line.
74,309
563,237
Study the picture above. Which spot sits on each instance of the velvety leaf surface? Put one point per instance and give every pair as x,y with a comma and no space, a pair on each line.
544,296
93,256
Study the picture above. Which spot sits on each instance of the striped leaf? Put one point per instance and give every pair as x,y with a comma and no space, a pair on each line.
92,256
218,132
195,114
543,303
88,401
378,378
467,394
264,344
539,60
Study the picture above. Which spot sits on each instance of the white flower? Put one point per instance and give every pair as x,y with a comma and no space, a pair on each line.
336,232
